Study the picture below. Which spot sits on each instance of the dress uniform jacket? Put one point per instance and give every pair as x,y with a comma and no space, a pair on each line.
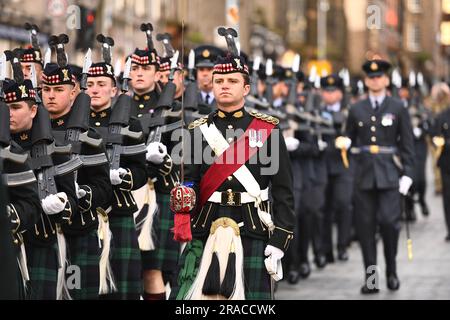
280,183
390,126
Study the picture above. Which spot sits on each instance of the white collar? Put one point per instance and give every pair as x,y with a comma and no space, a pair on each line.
334,107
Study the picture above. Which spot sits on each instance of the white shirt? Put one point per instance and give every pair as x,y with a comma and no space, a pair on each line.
335,107
211,96
380,100
278,102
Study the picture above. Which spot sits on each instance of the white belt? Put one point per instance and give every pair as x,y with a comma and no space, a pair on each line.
216,197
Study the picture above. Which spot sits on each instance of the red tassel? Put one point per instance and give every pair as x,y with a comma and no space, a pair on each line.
182,202
182,227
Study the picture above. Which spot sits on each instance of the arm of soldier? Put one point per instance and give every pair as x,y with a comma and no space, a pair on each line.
94,180
351,126
136,175
25,206
406,143
66,184
282,193
166,166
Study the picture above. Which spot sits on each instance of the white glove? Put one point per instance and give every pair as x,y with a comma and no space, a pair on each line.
156,152
81,193
273,262
54,203
292,144
322,145
404,185
417,132
343,143
116,176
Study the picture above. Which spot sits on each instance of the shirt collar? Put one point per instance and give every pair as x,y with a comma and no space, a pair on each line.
380,100
335,107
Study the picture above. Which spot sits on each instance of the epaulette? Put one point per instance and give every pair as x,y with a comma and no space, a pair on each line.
265,117
197,123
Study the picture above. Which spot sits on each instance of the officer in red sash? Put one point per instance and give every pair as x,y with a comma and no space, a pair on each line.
240,228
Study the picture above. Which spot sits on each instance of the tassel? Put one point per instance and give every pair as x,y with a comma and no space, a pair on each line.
144,217
229,281
182,228
106,283
211,286
62,292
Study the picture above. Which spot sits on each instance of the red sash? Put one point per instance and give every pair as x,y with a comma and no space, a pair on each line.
230,161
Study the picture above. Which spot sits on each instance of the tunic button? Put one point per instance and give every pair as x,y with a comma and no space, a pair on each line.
373,129
97,124
230,178
374,118
141,106
361,124
230,140
230,126
139,115
374,139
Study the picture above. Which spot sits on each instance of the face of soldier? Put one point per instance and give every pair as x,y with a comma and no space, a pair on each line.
58,99
331,97
143,78
26,69
230,90
280,90
178,81
164,76
21,116
204,79
377,85
101,90
403,93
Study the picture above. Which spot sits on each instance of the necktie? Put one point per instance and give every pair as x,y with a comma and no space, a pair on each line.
207,99
377,105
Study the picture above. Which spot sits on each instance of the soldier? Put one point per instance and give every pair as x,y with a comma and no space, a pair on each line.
159,258
41,243
340,178
234,208
441,141
23,206
205,56
309,198
92,186
126,258
380,130
9,279
144,80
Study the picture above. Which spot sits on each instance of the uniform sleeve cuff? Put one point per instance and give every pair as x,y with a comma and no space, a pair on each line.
281,238
127,181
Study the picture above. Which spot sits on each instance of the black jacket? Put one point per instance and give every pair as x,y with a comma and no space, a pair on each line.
390,126
275,173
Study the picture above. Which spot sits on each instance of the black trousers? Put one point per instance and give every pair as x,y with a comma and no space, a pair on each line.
309,204
338,206
446,197
378,208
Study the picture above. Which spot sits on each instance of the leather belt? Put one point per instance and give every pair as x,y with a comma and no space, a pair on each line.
374,149
235,199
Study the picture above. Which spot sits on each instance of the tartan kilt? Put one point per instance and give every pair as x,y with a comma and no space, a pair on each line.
256,279
126,257
167,250
85,253
43,269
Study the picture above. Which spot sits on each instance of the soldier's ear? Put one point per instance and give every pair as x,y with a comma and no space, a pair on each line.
113,92
246,89
33,111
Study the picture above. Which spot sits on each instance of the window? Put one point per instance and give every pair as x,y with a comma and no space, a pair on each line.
413,37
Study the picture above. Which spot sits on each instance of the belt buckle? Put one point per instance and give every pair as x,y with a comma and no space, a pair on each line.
231,199
374,149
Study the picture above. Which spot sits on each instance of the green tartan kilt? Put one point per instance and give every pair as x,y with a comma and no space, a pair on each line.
85,253
167,250
256,279
43,269
126,257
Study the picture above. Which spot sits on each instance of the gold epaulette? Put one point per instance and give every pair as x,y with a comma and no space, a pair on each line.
197,123
265,117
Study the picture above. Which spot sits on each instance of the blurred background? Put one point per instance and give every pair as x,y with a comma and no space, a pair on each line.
413,34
